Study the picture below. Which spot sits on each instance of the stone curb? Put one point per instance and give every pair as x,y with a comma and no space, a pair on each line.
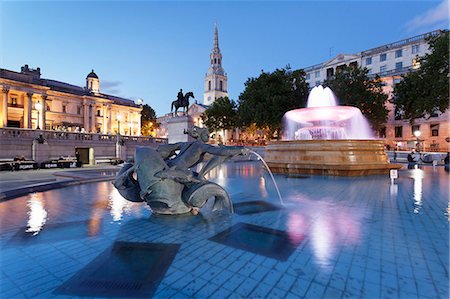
14,193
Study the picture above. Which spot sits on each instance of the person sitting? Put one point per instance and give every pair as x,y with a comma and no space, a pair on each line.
410,157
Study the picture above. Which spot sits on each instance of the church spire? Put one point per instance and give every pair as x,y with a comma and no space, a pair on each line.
216,37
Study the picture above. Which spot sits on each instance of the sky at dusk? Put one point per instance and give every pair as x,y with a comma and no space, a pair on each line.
149,49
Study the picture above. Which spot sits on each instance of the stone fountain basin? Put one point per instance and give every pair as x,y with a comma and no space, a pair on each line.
329,157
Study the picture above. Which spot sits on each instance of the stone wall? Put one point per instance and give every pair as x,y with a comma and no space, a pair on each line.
43,145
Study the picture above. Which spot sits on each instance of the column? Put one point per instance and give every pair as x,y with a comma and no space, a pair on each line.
4,116
44,112
109,119
138,120
86,116
93,119
27,110
105,119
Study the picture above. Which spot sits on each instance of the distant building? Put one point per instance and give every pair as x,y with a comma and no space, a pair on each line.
390,62
32,102
216,80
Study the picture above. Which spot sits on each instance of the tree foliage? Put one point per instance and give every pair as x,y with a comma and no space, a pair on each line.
353,87
267,98
148,121
221,115
423,92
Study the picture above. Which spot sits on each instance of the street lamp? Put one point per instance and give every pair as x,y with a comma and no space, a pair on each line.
118,117
417,133
38,107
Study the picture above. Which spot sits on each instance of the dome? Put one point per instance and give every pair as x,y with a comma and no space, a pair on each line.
92,75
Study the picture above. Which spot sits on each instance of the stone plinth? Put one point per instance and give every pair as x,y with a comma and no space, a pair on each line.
329,157
176,127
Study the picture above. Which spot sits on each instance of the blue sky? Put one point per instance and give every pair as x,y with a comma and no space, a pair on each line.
149,49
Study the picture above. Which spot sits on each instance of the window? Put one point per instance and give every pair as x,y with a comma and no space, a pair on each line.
434,128
383,68
14,101
48,107
399,65
368,60
221,85
98,112
382,132
215,60
398,53
209,85
308,76
415,49
383,57
415,128
64,108
317,74
398,132
218,60
399,113
435,112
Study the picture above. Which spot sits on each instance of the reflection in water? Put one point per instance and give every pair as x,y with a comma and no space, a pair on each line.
262,187
327,224
417,175
37,215
118,205
393,188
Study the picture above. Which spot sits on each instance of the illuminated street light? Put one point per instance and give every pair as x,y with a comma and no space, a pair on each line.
417,133
38,107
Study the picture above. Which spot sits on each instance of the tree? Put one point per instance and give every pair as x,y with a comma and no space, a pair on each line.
353,87
148,121
423,92
267,98
221,115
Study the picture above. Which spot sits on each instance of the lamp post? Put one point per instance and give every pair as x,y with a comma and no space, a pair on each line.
38,107
417,133
118,117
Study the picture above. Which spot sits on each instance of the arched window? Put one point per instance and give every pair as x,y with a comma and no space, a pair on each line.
221,85
215,60
209,85
218,60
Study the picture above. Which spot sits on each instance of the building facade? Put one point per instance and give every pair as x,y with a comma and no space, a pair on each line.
390,62
216,80
32,102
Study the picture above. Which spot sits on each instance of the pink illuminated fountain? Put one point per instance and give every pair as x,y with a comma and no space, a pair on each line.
327,139
323,119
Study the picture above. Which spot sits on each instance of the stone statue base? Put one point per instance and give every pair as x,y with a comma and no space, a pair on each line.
176,126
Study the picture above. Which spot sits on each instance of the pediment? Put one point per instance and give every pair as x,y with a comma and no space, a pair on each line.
341,58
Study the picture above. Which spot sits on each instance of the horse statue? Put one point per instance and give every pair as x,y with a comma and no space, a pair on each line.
184,102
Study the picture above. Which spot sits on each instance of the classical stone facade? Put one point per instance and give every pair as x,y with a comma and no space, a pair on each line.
216,80
32,102
390,62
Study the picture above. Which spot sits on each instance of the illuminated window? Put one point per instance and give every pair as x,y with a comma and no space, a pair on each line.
416,63
415,128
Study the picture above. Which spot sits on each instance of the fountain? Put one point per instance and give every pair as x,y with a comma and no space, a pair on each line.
327,139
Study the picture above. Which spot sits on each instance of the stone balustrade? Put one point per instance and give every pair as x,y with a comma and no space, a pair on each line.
63,135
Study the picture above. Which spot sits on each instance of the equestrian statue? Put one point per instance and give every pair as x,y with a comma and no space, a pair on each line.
167,179
182,101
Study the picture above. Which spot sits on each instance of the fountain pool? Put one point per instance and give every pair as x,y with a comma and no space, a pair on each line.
327,139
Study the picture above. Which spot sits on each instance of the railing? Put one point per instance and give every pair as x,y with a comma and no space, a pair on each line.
400,43
393,72
62,135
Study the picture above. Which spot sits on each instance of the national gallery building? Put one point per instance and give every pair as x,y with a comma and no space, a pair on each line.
31,102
